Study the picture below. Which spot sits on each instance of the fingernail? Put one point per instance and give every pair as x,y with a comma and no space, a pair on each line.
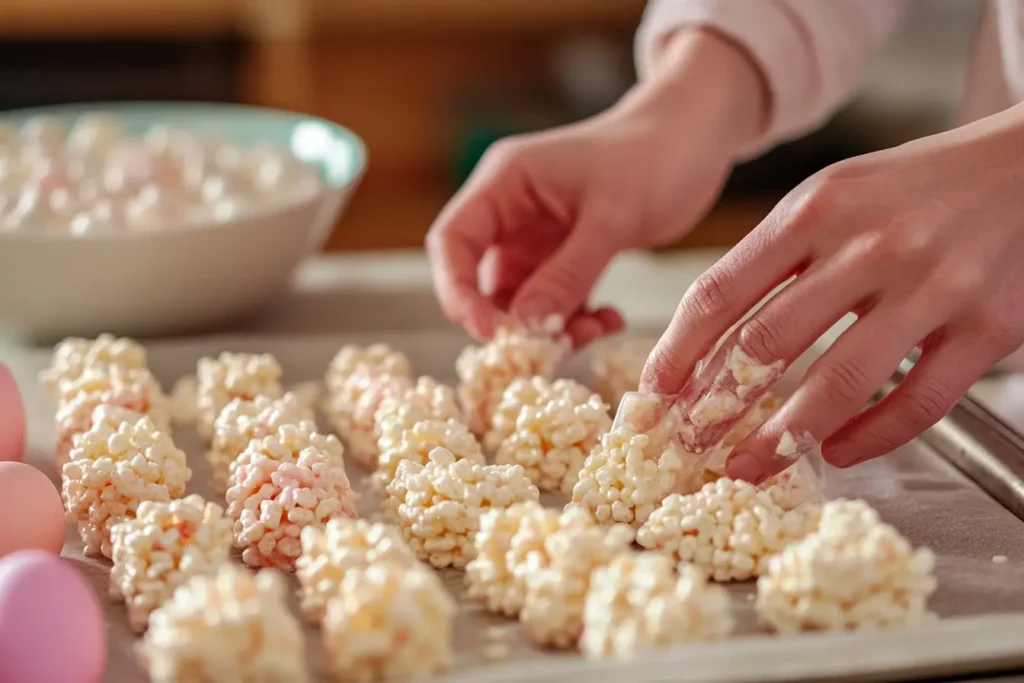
746,467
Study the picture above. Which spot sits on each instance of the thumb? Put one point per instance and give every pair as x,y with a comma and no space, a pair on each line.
562,284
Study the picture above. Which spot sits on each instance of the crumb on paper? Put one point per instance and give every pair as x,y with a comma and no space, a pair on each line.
1000,559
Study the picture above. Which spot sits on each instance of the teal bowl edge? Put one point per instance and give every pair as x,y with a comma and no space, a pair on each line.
338,153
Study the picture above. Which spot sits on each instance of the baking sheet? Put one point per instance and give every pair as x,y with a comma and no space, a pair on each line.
931,502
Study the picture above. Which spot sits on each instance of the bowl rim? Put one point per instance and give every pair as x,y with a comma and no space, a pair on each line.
205,225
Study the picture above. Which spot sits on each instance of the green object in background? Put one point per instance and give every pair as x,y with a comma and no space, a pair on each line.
473,140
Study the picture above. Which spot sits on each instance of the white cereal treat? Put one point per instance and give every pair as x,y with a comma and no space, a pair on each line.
309,393
616,368
627,476
509,546
855,572
438,505
729,529
389,620
428,399
417,443
74,355
233,626
379,359
486,371
341,546
555,593
277,487
285,444
230,376
552,441
243,420
114,468
355,422
133,389
637,604
163,547
521,393
184,400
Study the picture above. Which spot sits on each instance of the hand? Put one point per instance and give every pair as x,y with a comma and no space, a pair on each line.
543,214
923,242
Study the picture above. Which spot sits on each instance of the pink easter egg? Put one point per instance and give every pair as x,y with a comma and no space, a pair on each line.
51,623
31,511
12,417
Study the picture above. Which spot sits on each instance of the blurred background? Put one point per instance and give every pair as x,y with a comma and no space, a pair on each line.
429,84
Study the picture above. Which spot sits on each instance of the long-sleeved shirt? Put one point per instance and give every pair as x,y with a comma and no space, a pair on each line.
812,53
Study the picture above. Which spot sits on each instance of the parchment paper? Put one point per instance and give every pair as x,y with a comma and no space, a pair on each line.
927,499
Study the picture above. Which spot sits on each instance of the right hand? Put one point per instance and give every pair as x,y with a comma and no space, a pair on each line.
545,213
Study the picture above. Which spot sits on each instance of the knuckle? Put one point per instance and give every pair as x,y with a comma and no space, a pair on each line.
844,381
926,405
662,372
818,201
957,283
710,297
504,152
763,337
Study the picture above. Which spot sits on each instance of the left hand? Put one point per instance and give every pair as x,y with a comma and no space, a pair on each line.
923,242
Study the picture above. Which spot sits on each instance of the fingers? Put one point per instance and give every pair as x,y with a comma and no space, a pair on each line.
590,325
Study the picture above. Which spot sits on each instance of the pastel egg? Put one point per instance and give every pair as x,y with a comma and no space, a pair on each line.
51,623
31,510
12,417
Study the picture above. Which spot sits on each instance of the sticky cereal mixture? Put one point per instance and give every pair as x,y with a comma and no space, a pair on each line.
417,443
729,529
389,620
428,399
855,572
74,355
341,546
115,468
134,389
164,546
230,376
438,505
617,368
285,444
555,594
552,441
360,429
233,627
243,420
486,371
276,490
510,545
350,374
532,392
637,604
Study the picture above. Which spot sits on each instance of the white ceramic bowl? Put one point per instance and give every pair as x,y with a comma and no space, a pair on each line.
180,279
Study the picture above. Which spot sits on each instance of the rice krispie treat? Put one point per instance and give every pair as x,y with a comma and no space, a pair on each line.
486,371
285,444
276,490
230,376
232,627
74,355
510,545
184,400
855,572
389,620
438,505
351,373
341,546
636,604
417,443
243,420
616,368
360,430
555,593
552,441
165,545
427,400
113,470
729,529
532,391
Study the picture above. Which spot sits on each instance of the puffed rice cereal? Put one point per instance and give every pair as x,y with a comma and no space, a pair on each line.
232,627
389,620
617,368
555,593
417,443
164,546
275,491
285,444
184,400
233,375
855,572
552,441
243,420
532,391
729,529
112,470
350,374
343,545
427,400
438,505
74,355
360,427
636,604
486,371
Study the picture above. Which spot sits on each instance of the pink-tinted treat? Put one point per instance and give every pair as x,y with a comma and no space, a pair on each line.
51,624
12,417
